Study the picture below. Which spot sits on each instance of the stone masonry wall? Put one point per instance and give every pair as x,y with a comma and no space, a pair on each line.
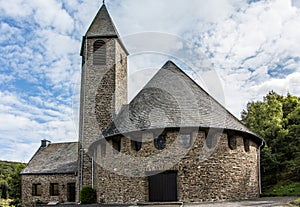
103,92
121,78
204,174
29,200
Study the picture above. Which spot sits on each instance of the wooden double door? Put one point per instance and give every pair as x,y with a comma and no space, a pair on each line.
163,187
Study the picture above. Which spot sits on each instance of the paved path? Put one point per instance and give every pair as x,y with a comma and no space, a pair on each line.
261,202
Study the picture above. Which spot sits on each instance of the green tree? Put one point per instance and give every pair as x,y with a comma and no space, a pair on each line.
277,120
15,182
3,188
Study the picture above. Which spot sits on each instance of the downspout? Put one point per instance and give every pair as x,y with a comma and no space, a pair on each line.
259,168
93,171
83,114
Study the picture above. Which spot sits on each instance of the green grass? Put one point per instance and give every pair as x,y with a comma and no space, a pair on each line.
296,202
291,189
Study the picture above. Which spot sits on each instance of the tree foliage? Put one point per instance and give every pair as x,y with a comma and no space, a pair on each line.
10,179
277,120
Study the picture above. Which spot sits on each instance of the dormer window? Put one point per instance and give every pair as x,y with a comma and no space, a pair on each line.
99,53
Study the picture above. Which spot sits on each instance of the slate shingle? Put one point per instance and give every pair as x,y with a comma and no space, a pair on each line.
172,99
58,158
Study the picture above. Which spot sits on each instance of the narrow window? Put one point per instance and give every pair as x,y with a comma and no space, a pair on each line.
160,142
53,189
136,145
36,189
246,145
185,140
211,140
103,149
116,145
232,142
99,52
121,59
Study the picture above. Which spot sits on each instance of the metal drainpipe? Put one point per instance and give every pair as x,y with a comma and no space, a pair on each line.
83,114
93,171
259,167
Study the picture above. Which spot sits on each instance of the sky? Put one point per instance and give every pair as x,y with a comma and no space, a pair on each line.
237,50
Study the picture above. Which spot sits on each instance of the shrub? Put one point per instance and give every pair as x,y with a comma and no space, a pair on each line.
16,202
88,195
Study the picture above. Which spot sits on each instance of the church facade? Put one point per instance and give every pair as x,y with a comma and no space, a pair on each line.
172,143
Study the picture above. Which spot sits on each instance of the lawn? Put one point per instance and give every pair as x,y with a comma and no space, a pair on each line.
292,189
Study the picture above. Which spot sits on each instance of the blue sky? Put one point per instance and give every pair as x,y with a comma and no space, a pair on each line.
237,50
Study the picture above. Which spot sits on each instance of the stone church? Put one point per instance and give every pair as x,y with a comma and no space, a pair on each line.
172,143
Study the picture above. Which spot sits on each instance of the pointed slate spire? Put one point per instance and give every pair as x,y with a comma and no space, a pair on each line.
102,25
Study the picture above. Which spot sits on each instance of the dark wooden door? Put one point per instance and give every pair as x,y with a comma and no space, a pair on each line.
71,192
163,187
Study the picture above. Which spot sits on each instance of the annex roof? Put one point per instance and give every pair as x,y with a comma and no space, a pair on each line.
172,99
57,158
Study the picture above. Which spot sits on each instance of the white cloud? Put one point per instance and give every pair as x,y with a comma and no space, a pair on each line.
253,48
24,122
254,45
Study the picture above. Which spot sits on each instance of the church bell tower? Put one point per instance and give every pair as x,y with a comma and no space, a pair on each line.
103,84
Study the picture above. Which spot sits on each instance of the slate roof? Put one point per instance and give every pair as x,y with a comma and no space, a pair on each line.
172,99
102,25
58,158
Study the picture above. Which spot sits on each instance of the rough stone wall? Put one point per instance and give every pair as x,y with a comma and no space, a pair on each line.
203,174
29,200
121,77
103,91
93,77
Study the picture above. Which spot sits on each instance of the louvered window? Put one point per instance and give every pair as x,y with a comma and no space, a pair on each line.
99,52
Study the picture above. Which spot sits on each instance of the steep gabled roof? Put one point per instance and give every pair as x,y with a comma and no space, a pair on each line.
58,158
102,25
172,99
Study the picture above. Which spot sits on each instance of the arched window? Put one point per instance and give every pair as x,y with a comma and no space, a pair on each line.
99,53
211,140
185,140
136,145
103,149
232,142
116,143
160,142
246,145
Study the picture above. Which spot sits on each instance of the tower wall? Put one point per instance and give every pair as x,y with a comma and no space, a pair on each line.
103,92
